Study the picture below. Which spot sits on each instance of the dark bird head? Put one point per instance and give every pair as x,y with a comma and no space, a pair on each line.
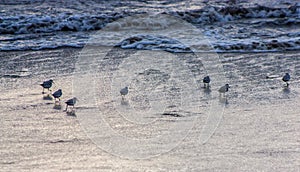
227,86
288,75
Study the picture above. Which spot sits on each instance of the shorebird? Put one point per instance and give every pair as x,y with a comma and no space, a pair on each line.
57,94
124,91
71,102
206,81
224,89
47,85
286,78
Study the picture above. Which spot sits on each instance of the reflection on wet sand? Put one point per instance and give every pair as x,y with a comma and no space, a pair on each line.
286,90
57,106
124,102
47,97
71,113
207,90
223,100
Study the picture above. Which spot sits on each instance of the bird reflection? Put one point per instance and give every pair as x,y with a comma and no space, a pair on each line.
207,90
124,102
71,113
47,97
223,100
286,90
57,106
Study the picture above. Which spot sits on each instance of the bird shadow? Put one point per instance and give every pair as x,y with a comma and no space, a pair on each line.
57,106
47,97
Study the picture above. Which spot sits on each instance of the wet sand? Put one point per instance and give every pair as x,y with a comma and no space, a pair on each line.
259,129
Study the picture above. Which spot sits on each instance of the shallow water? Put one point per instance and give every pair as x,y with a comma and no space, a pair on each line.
258,128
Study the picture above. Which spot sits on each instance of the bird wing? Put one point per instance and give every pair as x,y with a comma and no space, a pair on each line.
222,89
69,101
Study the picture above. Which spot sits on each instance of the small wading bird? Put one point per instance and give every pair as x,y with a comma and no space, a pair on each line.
47,85
124,91
286,78
206,81
224,89
57,94
71,102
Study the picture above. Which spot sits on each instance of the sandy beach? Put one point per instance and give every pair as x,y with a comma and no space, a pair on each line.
259,129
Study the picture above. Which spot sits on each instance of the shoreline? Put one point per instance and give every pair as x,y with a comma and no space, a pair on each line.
217,52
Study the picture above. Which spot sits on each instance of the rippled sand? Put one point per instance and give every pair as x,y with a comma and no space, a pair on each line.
259,129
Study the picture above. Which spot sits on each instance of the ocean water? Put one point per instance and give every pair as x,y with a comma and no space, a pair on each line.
228,25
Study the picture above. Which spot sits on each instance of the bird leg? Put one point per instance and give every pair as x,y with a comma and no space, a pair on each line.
222,95
66,108
57,103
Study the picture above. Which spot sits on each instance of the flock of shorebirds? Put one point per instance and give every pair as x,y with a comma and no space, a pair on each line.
124,91
206,80
222,90
57,94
